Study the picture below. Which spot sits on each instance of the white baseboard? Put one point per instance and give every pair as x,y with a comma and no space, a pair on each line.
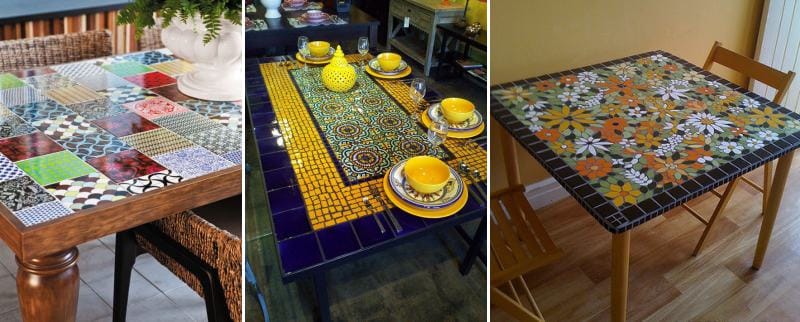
545,192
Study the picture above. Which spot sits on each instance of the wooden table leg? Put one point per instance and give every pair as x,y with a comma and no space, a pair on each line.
48,287
620,256
774,203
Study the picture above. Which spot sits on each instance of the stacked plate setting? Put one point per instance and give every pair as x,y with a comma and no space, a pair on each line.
471,124
314,17
376,67
452,191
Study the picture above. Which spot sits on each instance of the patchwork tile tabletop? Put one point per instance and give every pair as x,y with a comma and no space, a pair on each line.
79,135
635,137
320,157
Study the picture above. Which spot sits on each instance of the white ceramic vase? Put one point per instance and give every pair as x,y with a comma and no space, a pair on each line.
272,8
217,74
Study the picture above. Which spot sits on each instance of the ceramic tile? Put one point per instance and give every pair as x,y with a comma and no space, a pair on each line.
171,93
22,192
42,213
125,124
50,81
186,123
9,170
98,108
21,95
36,71
65,126
79,69
157,142
92,145
44,110
219,140
12,125
8,80
233,156
87,191
54,167
126,165
174,68
151,182
126,94
155,107
151,79
127,68
229,120
73,94
28,146
149,58
193,162
211,108
101,81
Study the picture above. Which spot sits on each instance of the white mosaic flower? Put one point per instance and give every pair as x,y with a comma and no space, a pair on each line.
671,93
568,96
750,103
735,109
636,112
670,126
754,143
659,58
591,102
679,82
624,69
627,143
730,147
713,84
767,135
707,123
704,159
591,145
580,88
532,116
693,76
618,162
535,128
638,177
589,77
539,105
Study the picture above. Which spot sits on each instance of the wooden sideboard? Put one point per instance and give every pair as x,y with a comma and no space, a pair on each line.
422,15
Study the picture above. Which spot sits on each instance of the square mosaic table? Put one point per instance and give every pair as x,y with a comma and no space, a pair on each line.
90,148
320,156
632,138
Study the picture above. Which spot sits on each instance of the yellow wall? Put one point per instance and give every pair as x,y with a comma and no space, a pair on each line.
531,38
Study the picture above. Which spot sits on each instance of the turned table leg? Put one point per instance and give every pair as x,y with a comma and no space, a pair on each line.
620,256
773,204
47,287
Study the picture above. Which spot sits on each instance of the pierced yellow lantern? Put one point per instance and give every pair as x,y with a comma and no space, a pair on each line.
339,76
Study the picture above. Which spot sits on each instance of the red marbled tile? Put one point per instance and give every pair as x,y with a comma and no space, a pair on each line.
125,124
151,79
27,146
125,165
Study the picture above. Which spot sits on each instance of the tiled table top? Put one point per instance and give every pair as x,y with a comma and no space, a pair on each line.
319,157
77,135
633,138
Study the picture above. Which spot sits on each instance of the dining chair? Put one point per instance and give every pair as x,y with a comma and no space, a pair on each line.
53,50
150,39
202,247
772,77
519,244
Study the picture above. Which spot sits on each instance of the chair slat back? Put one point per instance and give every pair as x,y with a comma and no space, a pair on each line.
751,68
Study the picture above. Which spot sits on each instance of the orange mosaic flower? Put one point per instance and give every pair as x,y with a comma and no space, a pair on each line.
593,168
648,140
695,105
616,85
705,90
672,170
550,135
628,100
544,86
612,129
568,79
670,67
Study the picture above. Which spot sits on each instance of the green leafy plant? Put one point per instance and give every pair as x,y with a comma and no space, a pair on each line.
140,13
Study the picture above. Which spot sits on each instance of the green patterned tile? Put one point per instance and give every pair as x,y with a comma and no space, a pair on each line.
54,167
127,68
10,81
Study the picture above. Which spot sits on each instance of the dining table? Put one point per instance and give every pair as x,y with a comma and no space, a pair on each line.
633,138
95,147
324,156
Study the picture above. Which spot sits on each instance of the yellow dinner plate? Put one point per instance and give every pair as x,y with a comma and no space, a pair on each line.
424,213
454,134
312,62
396,76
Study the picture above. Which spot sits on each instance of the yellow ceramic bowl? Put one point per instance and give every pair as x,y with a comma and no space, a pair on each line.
457,110
426,174
389,61
319,48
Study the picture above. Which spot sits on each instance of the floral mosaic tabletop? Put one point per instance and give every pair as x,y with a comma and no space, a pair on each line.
79,135
635,137
321,156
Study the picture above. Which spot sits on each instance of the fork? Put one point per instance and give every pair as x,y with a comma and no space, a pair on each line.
464,169
375,193
377,221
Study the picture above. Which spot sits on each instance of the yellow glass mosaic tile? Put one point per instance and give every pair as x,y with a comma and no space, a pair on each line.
328,199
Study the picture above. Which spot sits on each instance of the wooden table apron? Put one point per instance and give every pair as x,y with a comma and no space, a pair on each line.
619,216
111,200
268,127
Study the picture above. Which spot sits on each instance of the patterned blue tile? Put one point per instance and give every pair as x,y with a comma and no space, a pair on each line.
21,95
9,170
234,156
210,108
92,145
48,109
80,69
192,162
148,58
42,213
151,182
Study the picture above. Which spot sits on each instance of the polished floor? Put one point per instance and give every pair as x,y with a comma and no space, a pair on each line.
156,294
416,281
666,282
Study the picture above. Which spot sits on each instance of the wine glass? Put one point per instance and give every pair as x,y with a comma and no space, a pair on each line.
363,49
437,133
417,93
302,48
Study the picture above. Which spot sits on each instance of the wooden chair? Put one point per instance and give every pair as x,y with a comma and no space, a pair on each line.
774,78
519,244
54,50
201,247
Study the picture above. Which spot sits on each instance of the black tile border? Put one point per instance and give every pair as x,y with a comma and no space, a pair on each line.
620,220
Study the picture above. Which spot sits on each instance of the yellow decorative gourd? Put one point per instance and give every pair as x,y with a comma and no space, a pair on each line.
339,76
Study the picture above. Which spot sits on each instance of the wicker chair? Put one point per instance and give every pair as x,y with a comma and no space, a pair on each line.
202,247
150,39
53,50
